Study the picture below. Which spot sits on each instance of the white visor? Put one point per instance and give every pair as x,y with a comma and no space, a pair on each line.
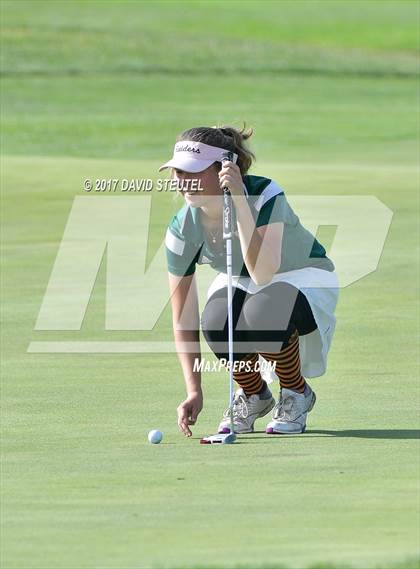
191,156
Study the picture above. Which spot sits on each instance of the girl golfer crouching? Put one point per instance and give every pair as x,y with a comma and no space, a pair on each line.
285,289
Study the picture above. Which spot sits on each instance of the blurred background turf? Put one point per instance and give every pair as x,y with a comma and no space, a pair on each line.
120,79
327,36
101,89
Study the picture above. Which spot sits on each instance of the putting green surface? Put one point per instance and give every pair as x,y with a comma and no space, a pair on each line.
331,89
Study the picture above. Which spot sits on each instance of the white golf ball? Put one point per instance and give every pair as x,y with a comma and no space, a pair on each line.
155,437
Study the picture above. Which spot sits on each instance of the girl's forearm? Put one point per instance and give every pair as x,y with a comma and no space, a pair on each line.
187,344
257,256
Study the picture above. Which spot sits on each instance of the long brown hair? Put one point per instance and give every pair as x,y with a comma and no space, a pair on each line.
226,137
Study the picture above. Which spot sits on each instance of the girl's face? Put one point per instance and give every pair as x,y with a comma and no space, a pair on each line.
203,189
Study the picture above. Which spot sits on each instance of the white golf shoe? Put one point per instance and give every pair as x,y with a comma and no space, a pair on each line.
289,415
246,410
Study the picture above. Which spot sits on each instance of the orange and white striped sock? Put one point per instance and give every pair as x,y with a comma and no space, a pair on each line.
288,364
249,379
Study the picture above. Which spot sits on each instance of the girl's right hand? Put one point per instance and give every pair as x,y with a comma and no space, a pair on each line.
188,412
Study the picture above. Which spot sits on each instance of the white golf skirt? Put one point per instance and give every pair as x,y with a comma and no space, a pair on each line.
321,289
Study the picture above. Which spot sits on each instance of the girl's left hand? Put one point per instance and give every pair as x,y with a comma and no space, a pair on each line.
230,176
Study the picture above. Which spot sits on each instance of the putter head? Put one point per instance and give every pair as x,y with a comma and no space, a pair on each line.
221,438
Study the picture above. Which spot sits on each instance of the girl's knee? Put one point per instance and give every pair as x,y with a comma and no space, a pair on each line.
272,308
214,315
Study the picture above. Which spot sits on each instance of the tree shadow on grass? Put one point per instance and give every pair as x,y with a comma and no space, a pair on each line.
368,433
401,434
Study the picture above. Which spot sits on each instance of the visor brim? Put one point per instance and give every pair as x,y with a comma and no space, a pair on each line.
187,164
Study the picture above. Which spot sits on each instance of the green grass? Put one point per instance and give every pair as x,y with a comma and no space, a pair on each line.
331,89
206,37
369,120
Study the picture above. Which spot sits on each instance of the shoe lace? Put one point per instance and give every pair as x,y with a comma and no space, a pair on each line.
240,408
283,409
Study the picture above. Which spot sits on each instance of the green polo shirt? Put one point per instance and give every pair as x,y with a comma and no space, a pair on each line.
187,246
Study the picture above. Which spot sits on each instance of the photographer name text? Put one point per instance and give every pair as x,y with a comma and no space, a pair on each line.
124,185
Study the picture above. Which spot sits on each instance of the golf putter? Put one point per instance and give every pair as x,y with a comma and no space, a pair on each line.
227,438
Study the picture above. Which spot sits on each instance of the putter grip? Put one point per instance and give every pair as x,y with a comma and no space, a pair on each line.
227,157
227,202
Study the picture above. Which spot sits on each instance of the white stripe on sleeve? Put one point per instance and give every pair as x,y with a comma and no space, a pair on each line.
270,191
174,243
